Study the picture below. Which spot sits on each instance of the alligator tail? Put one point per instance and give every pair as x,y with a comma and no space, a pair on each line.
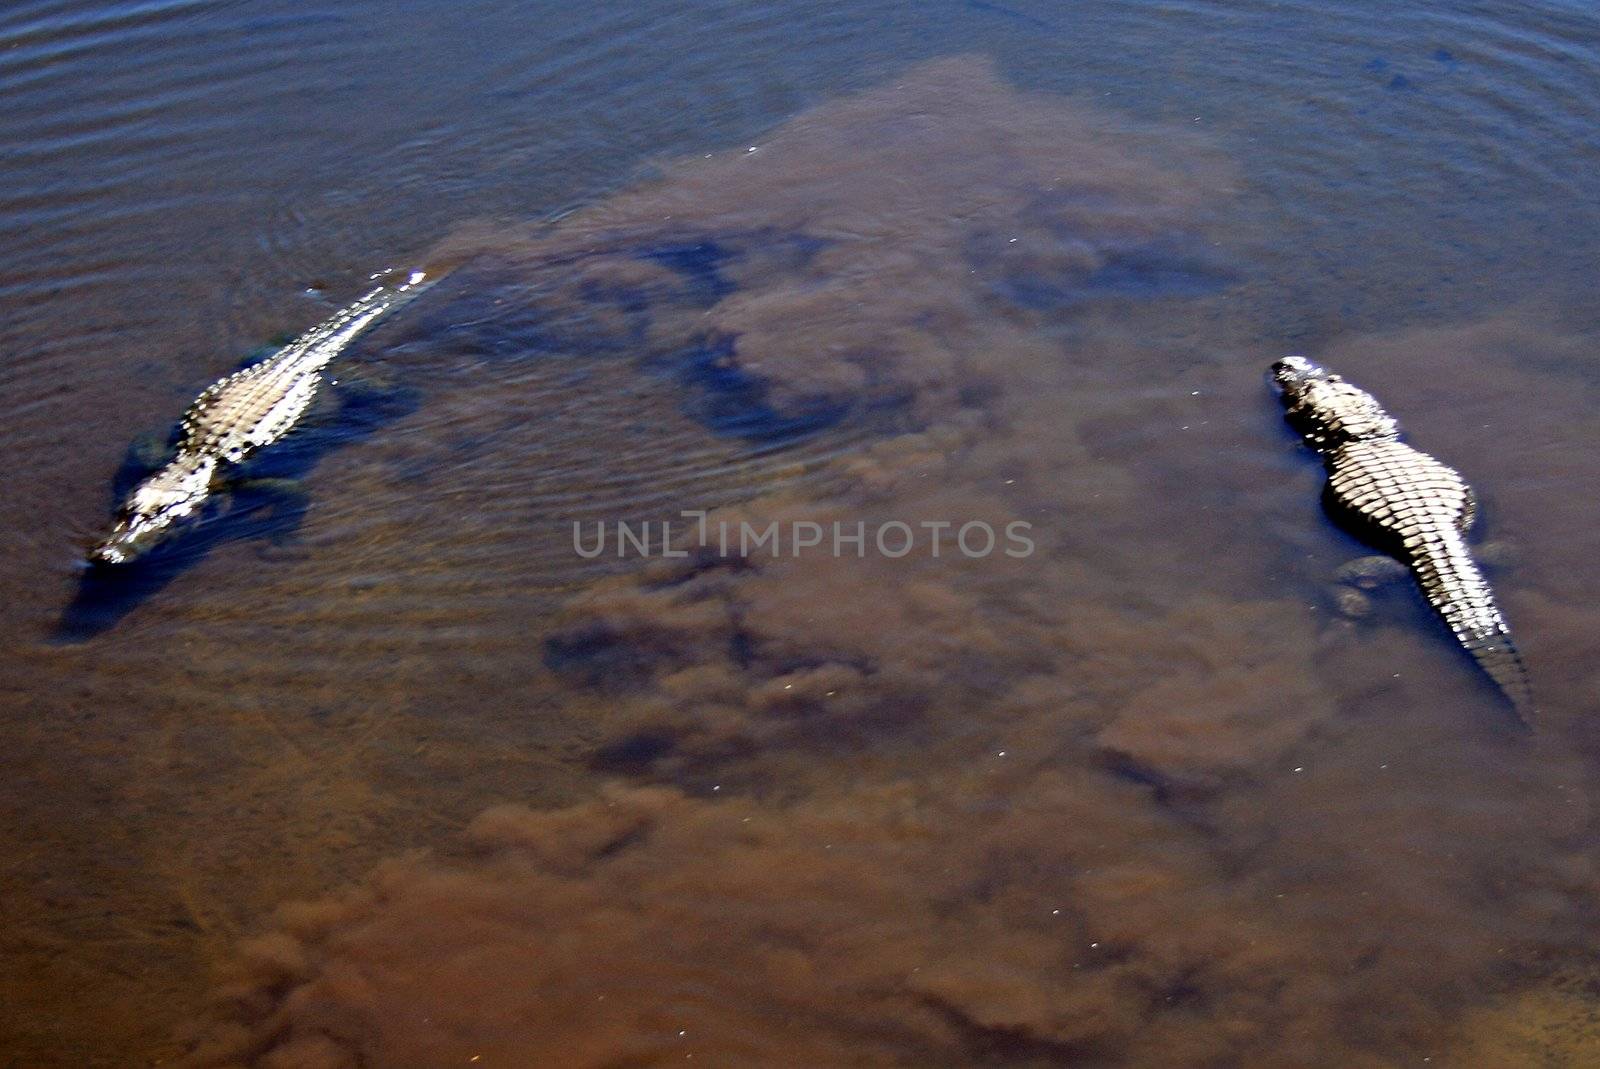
1454,586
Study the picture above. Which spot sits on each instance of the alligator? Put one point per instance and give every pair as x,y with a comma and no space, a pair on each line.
236,417
1405,502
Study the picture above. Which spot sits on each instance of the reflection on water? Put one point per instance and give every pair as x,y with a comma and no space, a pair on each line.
1138,798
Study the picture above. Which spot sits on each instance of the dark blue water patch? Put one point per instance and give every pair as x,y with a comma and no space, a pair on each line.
597,302
769,255
493,315
573,305
699,260
1157,271
1136,272
596,655
299,21
742,648
263,501
591,305
700,562
635,754
1024,18
730,401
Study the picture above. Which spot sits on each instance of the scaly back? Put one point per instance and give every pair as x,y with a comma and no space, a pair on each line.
1406,502
257,405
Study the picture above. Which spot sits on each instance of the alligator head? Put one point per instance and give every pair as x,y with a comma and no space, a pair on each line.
1324,408
155,507
1293,374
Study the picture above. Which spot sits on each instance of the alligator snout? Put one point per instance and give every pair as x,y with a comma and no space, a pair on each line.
119,547
1293,372
155,507
133,536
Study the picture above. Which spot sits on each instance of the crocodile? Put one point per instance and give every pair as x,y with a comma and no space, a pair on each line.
236,417
1405,502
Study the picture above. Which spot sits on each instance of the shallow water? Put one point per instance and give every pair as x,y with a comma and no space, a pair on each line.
395,776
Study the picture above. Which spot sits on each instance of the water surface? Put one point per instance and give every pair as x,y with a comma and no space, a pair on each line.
1137,798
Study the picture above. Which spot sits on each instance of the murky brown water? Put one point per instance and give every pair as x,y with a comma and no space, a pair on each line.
403,780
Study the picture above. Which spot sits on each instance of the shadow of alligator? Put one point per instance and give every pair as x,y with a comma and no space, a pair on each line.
266,504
